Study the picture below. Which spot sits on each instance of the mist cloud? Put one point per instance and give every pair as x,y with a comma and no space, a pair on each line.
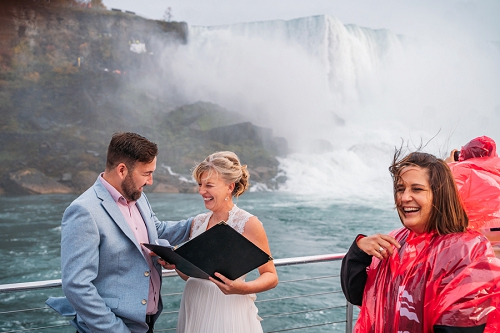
300,77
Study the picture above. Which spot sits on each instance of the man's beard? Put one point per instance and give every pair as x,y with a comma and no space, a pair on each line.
130,192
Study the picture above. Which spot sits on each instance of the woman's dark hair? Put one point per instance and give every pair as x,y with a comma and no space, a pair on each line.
130,148
447,215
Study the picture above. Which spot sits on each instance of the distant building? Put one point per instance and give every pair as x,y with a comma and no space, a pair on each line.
138,47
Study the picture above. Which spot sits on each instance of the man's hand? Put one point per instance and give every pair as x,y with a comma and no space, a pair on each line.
451,157
165,264
162,262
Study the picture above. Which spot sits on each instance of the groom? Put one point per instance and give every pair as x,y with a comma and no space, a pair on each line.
109,279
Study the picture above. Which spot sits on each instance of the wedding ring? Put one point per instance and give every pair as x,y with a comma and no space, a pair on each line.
381,249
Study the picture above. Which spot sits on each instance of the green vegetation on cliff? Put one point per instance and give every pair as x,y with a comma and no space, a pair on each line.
70,76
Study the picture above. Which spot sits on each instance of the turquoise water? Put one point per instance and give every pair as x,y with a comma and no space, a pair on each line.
295,225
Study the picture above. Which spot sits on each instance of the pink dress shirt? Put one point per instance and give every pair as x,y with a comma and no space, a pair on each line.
135,221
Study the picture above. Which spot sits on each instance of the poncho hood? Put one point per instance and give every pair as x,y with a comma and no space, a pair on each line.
482,146
478,183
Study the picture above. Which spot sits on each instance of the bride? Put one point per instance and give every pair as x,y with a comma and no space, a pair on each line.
224,307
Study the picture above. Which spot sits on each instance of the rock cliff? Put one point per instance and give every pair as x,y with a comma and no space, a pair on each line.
71,76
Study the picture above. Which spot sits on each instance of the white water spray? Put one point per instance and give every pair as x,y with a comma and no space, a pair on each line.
353,90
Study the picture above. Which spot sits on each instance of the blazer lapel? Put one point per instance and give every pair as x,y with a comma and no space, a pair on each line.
145,211
114,212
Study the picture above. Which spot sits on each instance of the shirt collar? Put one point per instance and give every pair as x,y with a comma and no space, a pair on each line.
117,196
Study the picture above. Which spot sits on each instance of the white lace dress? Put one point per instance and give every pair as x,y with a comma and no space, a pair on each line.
204,308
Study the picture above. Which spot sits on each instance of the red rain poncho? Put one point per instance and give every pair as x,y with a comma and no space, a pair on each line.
451,280
482,146
478,180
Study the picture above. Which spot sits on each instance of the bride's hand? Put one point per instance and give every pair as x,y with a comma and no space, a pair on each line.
228,286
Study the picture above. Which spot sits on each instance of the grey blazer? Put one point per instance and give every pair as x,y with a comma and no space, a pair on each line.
105,276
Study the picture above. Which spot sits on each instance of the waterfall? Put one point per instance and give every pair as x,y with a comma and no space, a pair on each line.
339,91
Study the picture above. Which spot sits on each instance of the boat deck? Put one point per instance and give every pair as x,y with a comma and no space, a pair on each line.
308,298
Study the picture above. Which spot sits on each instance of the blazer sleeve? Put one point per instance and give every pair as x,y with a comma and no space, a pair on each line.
176,232
353,273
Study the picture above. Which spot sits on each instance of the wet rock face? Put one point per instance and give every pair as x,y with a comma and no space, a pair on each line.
79,35
82,180
71,76
32,181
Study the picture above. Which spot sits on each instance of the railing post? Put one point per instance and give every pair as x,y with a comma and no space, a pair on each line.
348,317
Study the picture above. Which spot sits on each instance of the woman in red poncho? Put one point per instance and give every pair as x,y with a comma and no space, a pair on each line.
433,275
477,174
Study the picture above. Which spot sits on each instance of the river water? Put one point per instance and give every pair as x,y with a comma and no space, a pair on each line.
347,93
297,225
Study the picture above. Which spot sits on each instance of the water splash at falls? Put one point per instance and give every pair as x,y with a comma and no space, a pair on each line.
334,90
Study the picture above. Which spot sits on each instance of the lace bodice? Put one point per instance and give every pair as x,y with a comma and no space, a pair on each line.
237,220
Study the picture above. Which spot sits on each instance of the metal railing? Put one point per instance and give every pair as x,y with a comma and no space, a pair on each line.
325,309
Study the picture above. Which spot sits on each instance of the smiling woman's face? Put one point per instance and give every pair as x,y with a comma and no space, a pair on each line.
215,191
414,198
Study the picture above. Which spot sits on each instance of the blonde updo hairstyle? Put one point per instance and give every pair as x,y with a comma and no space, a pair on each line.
228,166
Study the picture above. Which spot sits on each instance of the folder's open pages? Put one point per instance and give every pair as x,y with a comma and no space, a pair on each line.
219,249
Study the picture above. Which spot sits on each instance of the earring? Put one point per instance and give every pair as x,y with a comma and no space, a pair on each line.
226,199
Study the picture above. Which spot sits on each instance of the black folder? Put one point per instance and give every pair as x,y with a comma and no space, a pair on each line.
219,249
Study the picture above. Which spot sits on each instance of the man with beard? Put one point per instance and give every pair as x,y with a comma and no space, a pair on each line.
109,279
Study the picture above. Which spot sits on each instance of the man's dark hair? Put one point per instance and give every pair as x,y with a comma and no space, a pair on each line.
130,148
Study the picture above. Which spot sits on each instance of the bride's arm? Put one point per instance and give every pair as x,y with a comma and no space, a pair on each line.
268,279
